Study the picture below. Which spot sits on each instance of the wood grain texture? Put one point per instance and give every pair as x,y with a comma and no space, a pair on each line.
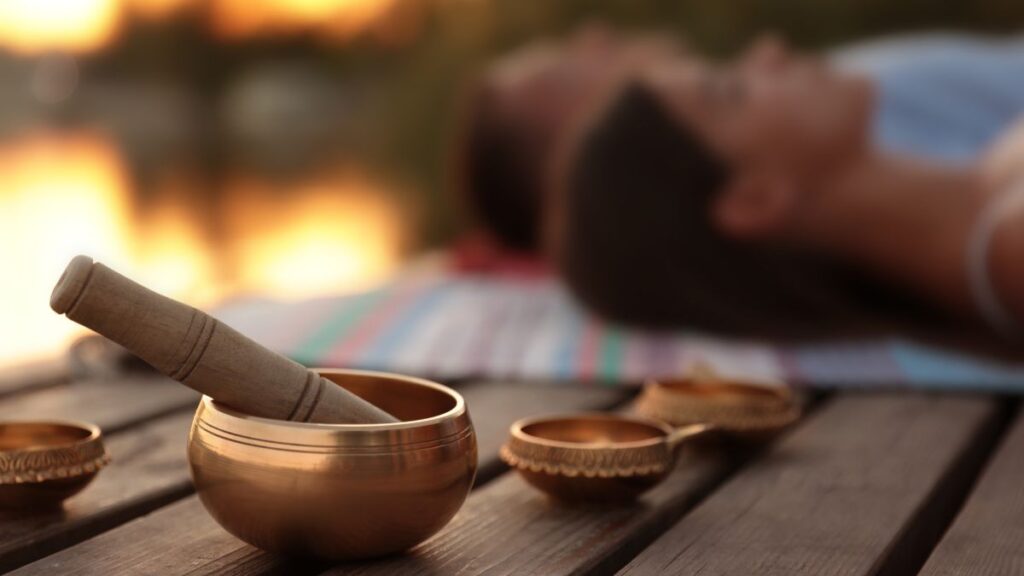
182,539
148,470
174,540
851,492
508,528
113,403
987,537
179,539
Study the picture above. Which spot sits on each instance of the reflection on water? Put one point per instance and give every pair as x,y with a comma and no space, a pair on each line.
32,26
171,249
35,26
58,197
332,232
62,195
330,18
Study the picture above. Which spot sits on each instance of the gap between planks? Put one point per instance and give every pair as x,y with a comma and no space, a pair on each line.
148,471
987,535
114,403
509,528
145,421
864,487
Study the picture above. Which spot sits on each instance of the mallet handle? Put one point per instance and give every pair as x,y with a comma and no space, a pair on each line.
199,351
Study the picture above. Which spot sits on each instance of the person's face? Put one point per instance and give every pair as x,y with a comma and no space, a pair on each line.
769,109
542,87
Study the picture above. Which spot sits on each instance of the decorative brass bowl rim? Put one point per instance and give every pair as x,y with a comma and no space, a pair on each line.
772,390
769,404
459,408
723,420
525,451
40,463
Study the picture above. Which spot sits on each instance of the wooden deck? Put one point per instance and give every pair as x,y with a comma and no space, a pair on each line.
867,483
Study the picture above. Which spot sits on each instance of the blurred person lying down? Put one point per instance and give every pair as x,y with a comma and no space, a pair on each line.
779,193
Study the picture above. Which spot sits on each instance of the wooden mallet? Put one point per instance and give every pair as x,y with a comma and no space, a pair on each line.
204,354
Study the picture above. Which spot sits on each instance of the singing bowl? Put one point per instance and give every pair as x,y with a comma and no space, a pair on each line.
44,463
338,491
594,457
743,409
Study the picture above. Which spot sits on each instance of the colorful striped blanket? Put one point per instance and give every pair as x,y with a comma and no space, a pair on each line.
530,329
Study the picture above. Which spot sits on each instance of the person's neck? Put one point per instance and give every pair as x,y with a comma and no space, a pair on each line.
906,218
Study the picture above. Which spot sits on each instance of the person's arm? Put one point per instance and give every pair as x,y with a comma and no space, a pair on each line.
1003,167
1007,258
1003,163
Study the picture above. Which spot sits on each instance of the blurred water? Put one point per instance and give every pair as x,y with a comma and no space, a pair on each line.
327,230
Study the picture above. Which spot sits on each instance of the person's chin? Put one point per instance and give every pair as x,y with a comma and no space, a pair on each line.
861,92
856,97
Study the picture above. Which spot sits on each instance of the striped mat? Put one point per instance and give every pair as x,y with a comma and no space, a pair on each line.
530,329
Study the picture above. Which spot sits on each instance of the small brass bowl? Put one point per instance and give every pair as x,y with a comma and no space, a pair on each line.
44,463
338,491
594,457
743,409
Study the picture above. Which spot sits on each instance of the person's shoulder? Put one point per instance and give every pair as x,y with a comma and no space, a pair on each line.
1003,163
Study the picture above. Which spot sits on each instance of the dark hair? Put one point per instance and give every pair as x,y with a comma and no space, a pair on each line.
501,173
635,241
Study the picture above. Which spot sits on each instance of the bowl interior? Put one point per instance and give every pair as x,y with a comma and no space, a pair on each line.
593,430
22,435
405,398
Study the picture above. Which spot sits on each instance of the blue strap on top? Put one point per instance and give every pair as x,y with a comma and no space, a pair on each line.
943,96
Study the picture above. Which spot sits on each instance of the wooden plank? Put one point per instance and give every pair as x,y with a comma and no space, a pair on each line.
148,470
112,403
88,357
34,375
144,546
853,491
148,466
987,537
509,528
182,539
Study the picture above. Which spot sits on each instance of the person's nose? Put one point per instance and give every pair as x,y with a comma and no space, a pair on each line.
768,52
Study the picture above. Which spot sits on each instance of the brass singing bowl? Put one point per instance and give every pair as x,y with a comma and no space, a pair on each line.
594,457
338,491
743,409
44,463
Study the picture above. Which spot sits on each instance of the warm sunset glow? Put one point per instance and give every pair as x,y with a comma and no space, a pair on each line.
336,234
33,26
172,252
37,26
62,195
156,9
58,198
331,18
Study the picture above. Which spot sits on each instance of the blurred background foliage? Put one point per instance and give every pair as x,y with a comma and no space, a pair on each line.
401,73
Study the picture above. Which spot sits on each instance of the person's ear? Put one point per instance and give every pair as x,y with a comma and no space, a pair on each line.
754,206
